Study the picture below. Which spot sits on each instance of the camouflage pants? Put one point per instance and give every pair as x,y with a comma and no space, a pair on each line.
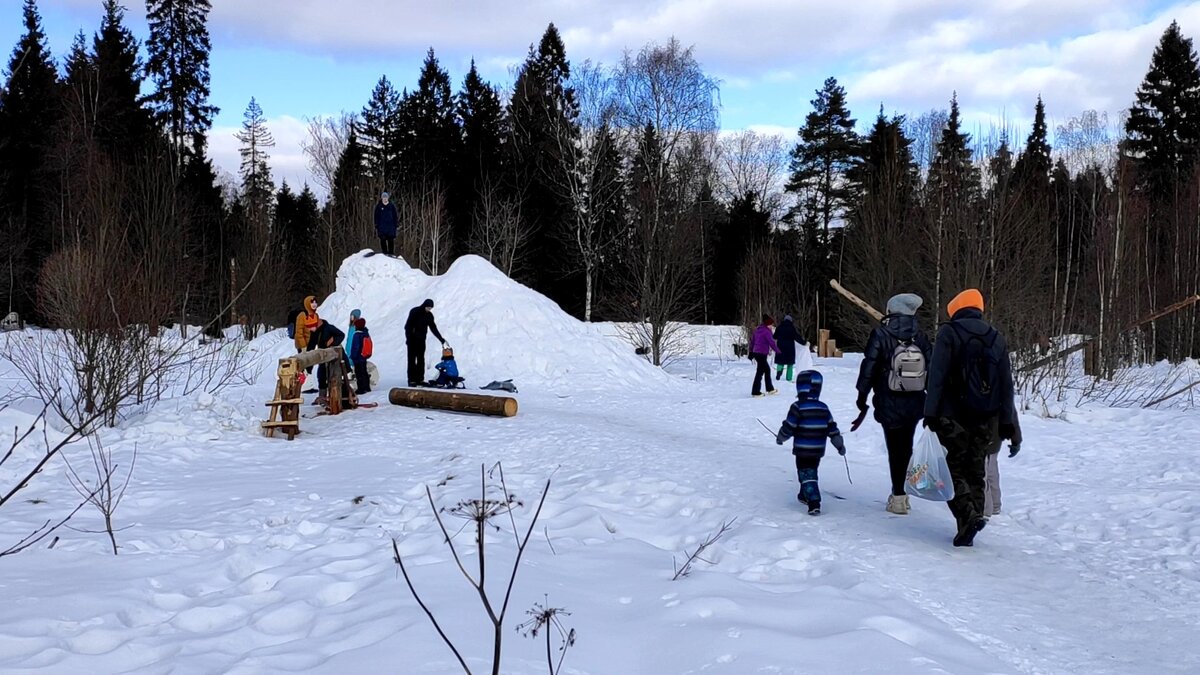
967,443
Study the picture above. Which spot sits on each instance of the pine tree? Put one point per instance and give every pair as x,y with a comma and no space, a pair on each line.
178,50
28,115
379,134
121,121
481,116
825,153
1163,129
953,196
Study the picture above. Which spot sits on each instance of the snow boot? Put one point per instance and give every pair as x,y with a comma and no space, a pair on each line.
757,395
966,536
800,498
772,392
896,504
814,509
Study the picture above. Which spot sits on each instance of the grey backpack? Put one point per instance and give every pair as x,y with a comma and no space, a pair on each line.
908,370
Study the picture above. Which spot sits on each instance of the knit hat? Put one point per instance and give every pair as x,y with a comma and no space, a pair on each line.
428,303
355,313
767,320
904,303
787,317
968,299
384,195
360,323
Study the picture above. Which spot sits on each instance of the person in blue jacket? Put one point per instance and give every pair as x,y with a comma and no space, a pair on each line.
358,357
387,219
447,369
354,314
809,423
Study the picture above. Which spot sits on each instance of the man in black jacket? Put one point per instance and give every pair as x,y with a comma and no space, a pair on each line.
387,219
969,403
420,322
899,405
326,335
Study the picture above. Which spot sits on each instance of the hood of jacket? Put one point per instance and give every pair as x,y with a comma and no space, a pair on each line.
900,326
310,304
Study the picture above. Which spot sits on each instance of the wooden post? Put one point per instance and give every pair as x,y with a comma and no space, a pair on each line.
285,407
453,400
856,301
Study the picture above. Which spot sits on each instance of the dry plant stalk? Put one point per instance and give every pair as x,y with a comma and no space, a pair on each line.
686,569
479,512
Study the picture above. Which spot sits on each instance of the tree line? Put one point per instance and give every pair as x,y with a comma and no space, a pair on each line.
609,188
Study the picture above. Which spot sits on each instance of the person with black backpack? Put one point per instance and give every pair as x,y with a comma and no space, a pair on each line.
969,403
894,368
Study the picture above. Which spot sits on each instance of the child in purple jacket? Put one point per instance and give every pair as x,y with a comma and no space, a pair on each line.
762,344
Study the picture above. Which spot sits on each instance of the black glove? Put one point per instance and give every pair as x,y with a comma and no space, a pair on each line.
934,424
858,420
839,444
780,438
1007,431
1013,449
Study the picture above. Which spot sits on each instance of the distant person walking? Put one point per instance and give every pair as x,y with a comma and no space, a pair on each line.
969,403
387,219
786,338
419,324
894,368
762,344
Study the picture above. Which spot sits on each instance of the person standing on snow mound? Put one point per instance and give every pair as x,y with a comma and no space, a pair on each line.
762,343
786,338
969,402
894,367
809,423
387,218
420,322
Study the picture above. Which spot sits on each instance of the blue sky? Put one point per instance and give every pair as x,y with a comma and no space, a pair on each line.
303,58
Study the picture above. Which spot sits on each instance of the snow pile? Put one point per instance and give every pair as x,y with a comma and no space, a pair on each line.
499,329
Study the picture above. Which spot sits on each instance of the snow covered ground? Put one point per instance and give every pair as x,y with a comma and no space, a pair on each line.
252,555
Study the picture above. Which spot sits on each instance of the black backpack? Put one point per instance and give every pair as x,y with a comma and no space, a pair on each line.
291,322
979,372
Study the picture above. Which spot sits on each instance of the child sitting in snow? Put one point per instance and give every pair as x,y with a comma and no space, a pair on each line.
447,370
808,424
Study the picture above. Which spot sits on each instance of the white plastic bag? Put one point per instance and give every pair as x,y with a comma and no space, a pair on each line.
928,474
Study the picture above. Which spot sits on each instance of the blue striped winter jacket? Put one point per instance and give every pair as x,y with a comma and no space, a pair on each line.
809,422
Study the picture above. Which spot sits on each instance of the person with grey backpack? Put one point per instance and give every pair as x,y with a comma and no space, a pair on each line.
894,367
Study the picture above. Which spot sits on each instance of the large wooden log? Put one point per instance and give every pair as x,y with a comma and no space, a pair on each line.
317,356
457,401
856,301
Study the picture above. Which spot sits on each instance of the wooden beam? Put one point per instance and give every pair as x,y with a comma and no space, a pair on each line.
305,360
856,301
454,400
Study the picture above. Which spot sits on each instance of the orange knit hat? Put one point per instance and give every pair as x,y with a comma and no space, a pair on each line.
971,298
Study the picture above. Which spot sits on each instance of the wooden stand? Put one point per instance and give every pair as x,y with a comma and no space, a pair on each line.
826,346
285,407
443,399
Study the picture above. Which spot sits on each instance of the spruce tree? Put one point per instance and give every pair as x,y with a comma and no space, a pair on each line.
121,121
1033,166
28,115
1163,128
429,133
379,134
825,152
178,51
481,116
256,140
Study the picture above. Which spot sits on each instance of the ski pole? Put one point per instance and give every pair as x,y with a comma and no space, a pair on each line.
765,427
847,469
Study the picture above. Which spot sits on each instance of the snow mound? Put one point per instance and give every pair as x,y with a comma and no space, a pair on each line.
499,329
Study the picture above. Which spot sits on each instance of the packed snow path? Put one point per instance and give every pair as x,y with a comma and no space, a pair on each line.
248,555
242,554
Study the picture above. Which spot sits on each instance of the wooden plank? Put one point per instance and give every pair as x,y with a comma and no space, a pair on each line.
453,400
293,401
281,423
856,301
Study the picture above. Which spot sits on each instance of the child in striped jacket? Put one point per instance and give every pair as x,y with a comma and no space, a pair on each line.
809,423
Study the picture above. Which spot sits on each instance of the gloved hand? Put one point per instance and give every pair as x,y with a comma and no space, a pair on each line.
1013,449
934,424
839,444
780,438
862,415
1007,431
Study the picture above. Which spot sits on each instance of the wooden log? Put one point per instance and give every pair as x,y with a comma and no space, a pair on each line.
309,359
454,400
856,301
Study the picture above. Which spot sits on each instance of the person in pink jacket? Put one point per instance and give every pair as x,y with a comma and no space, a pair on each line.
762,345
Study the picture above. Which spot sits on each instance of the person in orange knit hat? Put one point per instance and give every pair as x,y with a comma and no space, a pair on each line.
968,403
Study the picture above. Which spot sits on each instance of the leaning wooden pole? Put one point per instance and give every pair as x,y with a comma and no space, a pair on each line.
856,301
440,399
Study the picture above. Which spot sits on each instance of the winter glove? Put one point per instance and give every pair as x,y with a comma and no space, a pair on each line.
1013,449
780,438
935,424
839,444
862,415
